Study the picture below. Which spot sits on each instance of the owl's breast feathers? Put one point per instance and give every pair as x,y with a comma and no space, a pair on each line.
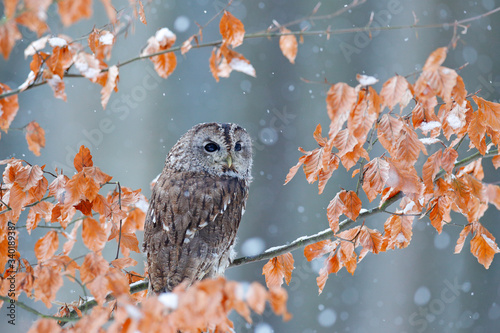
191,226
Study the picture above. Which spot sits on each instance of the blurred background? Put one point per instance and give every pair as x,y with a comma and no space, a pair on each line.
423,288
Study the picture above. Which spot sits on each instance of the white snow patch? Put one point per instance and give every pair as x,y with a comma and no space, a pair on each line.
204,224
366,80
243,66
409,207
170,300
490,242
57,41
164,34
400,238
143,205
429,141
430,125
167,229
107,38
29,80
35,46
133,312
454,121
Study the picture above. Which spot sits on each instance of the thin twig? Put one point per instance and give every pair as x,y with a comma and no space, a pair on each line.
120,233
278,34
39,314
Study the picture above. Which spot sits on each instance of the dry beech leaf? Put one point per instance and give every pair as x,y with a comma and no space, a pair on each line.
9,106
83,159
164,63
111,84
9,35
142,15
46,246
288,44
72,11
35,136
277,269
231,29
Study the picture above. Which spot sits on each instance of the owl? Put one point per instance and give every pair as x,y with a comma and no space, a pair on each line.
196,206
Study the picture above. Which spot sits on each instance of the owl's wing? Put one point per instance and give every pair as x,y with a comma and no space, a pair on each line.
182,205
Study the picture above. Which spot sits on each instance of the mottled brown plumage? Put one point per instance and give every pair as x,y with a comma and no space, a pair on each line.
196,205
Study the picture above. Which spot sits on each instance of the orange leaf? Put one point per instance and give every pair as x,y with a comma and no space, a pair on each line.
461,239
142,15
331,265
46,246
404,179
277,299
436,58
8,105
35,136
352,204
483,245
256,297
370,240
72,11
57,84
68,246
93,266
278,268
83,159
376,174
395,91
339,101
448,159
122,263
47,282
235,61
17,199
409,146
33,21
231,29
94,237
398,231
489,113
318,249
363,115
334,210
389,131
164,63
440,212
430,169
493,194
288,45
45,325
9,34
477,131
344,142
111,84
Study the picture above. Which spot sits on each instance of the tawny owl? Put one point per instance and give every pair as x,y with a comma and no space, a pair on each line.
196,205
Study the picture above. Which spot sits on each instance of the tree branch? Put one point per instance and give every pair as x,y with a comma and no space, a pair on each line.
269,34
36,312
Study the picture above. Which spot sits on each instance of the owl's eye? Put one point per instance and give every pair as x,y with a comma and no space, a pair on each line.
211,147
237,146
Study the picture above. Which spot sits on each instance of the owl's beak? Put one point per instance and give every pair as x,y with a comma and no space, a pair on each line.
229,161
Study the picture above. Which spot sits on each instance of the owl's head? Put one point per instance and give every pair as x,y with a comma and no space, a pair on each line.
219,149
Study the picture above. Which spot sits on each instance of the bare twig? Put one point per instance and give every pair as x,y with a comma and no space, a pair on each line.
270,33
39,314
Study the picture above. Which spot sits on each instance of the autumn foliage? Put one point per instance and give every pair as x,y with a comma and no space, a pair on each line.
436,113
425,120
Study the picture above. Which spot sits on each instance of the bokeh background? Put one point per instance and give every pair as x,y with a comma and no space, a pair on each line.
423,288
